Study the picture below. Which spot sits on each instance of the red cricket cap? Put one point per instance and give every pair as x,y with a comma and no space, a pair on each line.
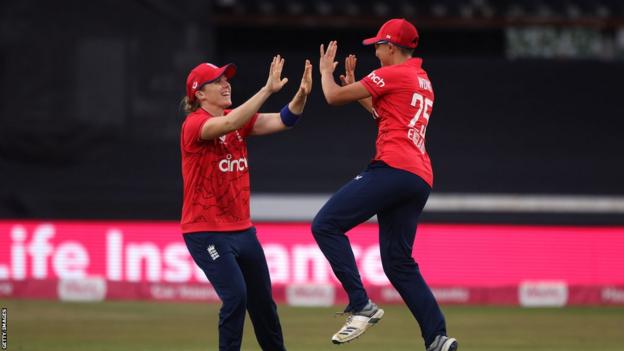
206,73
397,31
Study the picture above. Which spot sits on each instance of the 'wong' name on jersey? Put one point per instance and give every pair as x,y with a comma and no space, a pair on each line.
424,84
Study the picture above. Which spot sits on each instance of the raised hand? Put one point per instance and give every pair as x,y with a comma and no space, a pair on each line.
306,80
349,76
275,82
327,65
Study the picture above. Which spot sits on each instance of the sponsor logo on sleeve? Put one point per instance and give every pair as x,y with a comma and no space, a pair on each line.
376,79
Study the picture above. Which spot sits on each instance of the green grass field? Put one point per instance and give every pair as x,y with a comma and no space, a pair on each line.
137,326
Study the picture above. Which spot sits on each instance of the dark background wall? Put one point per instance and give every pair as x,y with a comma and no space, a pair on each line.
89,114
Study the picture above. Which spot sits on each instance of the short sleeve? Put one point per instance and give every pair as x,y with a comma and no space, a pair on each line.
380,81
191,129
248,127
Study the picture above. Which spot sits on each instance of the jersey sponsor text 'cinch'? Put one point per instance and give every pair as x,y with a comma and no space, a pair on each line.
229,165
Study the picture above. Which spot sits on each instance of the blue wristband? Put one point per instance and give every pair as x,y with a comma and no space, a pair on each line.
288,118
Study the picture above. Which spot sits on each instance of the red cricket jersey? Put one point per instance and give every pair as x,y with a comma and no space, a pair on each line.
216,177
402,103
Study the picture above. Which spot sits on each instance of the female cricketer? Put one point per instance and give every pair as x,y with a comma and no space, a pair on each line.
395,185
216,224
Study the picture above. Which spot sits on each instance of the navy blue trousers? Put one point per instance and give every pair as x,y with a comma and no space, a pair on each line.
234,263
397,197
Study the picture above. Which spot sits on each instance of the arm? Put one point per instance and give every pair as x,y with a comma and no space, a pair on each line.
268,123
349,78
335,94
236,119
367,103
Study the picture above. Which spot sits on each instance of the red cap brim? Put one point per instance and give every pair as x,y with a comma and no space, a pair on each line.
228,70
371,41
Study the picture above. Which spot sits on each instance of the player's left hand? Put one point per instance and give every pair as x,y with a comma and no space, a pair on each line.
349,76
327,65
306,80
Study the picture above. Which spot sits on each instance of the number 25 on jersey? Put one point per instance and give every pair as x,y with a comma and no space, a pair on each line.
424,107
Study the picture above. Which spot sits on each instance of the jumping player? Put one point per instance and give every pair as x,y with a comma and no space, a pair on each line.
216,224
395,185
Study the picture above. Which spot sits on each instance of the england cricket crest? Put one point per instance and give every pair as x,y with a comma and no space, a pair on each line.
214,254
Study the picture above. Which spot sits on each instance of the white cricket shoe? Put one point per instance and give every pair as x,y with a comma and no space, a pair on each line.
358,322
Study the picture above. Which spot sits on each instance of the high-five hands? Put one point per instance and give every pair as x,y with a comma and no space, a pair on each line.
275,82
349,76
327,65
306,80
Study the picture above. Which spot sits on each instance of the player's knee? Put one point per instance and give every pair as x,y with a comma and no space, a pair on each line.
320,226
398,266
235,300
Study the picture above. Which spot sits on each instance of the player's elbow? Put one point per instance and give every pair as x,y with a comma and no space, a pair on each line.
330,101
229,125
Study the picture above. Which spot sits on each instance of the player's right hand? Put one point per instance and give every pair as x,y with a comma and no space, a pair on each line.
349,76
275,82
306,80
327,65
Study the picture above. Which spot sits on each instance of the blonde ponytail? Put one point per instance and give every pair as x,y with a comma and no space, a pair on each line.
187,106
